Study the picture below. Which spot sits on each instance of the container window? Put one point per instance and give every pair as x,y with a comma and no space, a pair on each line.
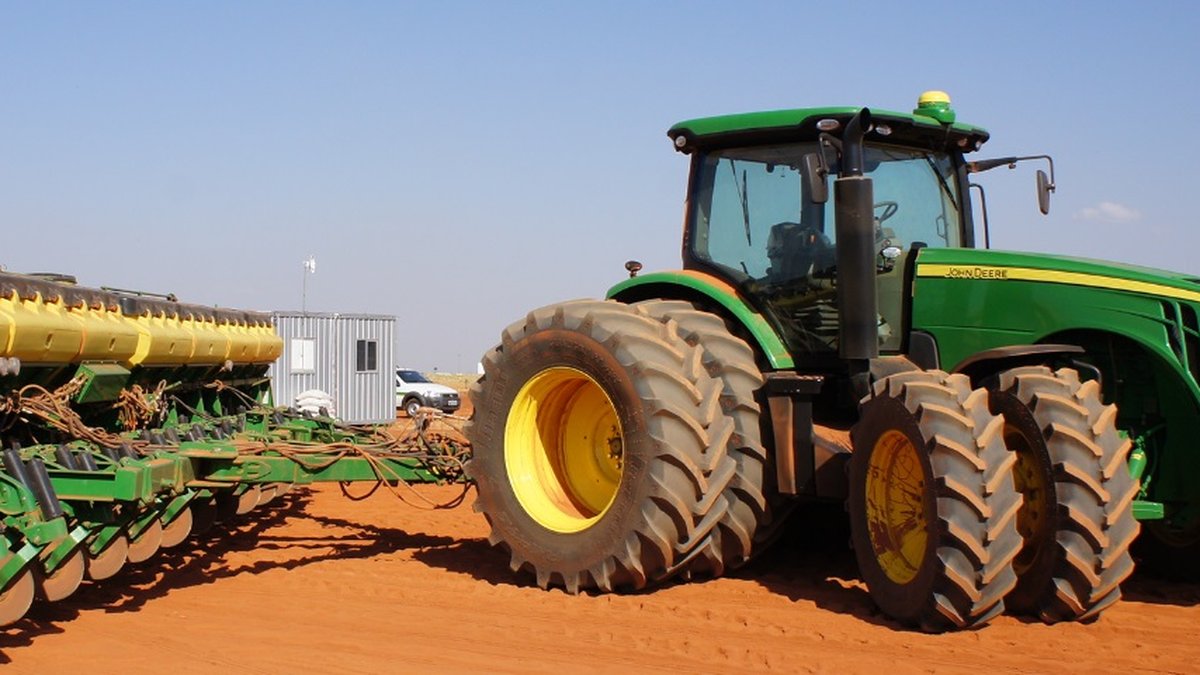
365,356
304,355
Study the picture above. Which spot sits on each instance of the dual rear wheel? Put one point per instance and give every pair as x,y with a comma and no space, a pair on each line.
965,502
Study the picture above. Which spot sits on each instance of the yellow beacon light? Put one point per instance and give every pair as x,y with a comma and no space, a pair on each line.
935,104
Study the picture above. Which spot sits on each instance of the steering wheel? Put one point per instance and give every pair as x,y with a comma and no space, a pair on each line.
889,209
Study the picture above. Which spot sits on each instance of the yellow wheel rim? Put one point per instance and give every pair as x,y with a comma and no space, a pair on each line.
563,449
895,508
1033,518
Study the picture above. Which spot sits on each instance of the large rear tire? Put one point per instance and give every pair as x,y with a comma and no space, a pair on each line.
599,447
752,493
932,504
1077,517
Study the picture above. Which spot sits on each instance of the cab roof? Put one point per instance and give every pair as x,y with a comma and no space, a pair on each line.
800,124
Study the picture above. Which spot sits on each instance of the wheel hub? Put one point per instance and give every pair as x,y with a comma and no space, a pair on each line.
564,449
1033,517
895,507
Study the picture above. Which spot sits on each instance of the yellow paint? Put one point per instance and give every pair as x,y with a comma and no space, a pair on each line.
1033,519
40,331
164,340
1055,277
269,345
933,96
895,511
563,449
209,345
243,348
272,344
107,335
8,326
37,330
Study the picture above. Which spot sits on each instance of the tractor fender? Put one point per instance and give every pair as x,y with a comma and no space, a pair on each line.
983,364
715,294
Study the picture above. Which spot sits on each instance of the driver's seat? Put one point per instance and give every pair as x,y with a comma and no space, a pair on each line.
794,251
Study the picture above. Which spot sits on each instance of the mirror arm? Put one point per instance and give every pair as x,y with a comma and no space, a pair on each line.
1011,162
1046,187
1050,161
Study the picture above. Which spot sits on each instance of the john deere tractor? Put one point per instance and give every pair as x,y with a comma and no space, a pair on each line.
996,423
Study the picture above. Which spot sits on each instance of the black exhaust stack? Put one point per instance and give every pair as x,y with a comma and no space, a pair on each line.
854,214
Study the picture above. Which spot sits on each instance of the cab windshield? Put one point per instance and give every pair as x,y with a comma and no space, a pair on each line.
753,219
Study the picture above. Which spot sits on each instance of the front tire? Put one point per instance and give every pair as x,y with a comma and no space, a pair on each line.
598,447
932,504
1077,518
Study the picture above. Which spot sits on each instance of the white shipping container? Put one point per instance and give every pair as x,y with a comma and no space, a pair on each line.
351,357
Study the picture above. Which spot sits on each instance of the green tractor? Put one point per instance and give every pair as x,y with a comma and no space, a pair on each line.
996,423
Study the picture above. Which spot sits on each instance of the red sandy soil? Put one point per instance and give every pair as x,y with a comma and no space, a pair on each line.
315,582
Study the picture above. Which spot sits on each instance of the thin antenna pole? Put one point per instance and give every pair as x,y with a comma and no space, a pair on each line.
310,267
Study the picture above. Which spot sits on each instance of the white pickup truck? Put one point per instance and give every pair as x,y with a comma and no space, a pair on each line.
414,390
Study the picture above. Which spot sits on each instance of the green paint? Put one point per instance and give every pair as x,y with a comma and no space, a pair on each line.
143,521
103,536
1102,269
1137,462
125,483
14,564
102,382
1143,510
791,118
682,285
55,555
40,532
938,110
314,468
15,498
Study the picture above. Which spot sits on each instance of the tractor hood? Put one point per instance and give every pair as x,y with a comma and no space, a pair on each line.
1008,265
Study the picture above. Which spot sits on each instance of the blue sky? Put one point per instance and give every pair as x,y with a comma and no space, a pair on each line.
457,164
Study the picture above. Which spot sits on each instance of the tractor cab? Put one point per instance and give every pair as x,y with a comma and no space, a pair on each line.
761,216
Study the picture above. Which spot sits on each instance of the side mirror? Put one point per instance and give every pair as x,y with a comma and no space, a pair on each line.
814,173
1044,188
1045,184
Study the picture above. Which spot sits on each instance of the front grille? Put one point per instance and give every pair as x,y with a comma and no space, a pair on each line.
1191,339
1171,314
